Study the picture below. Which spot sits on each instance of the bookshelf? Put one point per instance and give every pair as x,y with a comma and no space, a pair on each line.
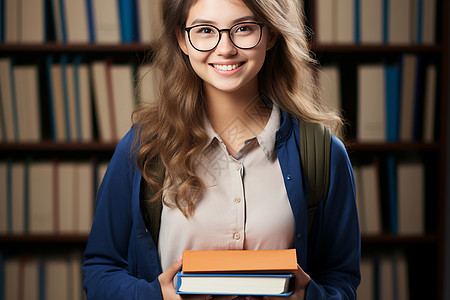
424,252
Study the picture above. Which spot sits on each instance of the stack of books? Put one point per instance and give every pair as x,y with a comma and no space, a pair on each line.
237,272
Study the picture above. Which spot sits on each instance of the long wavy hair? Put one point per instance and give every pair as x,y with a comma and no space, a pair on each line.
171,128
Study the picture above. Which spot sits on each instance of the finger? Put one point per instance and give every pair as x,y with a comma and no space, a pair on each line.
301,277
170,273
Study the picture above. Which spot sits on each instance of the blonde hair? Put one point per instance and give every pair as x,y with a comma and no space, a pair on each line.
171,129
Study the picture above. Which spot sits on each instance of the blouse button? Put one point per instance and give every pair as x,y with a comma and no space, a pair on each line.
237,236
237,200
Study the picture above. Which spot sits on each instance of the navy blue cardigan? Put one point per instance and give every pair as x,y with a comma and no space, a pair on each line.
122,261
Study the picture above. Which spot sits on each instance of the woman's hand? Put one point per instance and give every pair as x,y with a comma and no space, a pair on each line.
168,290
301,282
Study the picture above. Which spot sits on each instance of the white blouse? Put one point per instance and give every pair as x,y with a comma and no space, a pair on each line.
245,204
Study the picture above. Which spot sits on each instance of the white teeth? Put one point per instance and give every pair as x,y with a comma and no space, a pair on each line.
226,67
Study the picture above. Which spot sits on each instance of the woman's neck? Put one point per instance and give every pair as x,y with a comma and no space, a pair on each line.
236,116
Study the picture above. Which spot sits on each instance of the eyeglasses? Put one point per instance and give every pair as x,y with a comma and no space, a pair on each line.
244,35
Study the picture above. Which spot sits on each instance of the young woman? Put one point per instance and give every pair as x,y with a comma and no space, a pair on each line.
235,79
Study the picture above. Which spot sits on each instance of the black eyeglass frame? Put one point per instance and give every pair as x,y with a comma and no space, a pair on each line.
188,30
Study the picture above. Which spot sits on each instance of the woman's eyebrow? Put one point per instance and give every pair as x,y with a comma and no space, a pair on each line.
206,21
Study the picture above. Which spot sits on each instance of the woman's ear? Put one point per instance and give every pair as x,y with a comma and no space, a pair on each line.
273,36
181,37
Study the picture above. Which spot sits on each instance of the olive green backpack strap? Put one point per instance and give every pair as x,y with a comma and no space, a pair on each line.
315,144
151,210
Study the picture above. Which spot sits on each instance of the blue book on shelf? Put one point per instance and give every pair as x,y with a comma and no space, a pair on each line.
2,21
419,21
357,21
385,21
234,284
128,20
63,21
48,70
91,23
392,83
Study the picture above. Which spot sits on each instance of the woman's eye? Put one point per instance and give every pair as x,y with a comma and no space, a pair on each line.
205,30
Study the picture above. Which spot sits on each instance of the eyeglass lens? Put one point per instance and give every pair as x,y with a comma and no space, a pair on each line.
242,35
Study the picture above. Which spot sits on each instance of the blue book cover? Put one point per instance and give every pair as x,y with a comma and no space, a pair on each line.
91,23
128,20
2,21
63,21
392,83
357,21
419,21
257,284
48,70
385,21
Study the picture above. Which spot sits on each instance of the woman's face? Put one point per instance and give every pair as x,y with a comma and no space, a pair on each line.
225,68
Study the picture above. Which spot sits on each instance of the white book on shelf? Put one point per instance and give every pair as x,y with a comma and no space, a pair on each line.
430,103
67,203
386,277
7,99
4,197
85,103
77,26
41,191
330,86
366,289
101,100
31,276
28,104
345,22
400,22
370,199
18,198
106,21
58,102
407,101
123,97
12,21
428,22
149,20
85,172
371,107
325,27
56,281
410,188
147,84
402,281
371,21
32,21
12,281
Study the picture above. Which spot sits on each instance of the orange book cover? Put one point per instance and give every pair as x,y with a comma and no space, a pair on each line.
219,261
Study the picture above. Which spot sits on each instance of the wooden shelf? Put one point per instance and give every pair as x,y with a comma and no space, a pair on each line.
44,238
49,146
65,48
354,48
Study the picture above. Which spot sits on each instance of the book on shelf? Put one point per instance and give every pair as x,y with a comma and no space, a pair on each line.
237,272
106,22
429,111
9,110
47,197
76,22
330,86
371,107
25,21
409,83
41,276
150,23
391,22
384,275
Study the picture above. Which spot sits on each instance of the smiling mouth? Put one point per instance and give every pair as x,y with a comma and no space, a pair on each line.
227,67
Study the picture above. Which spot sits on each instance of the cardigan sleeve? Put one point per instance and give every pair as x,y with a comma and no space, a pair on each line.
109,274
334,245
